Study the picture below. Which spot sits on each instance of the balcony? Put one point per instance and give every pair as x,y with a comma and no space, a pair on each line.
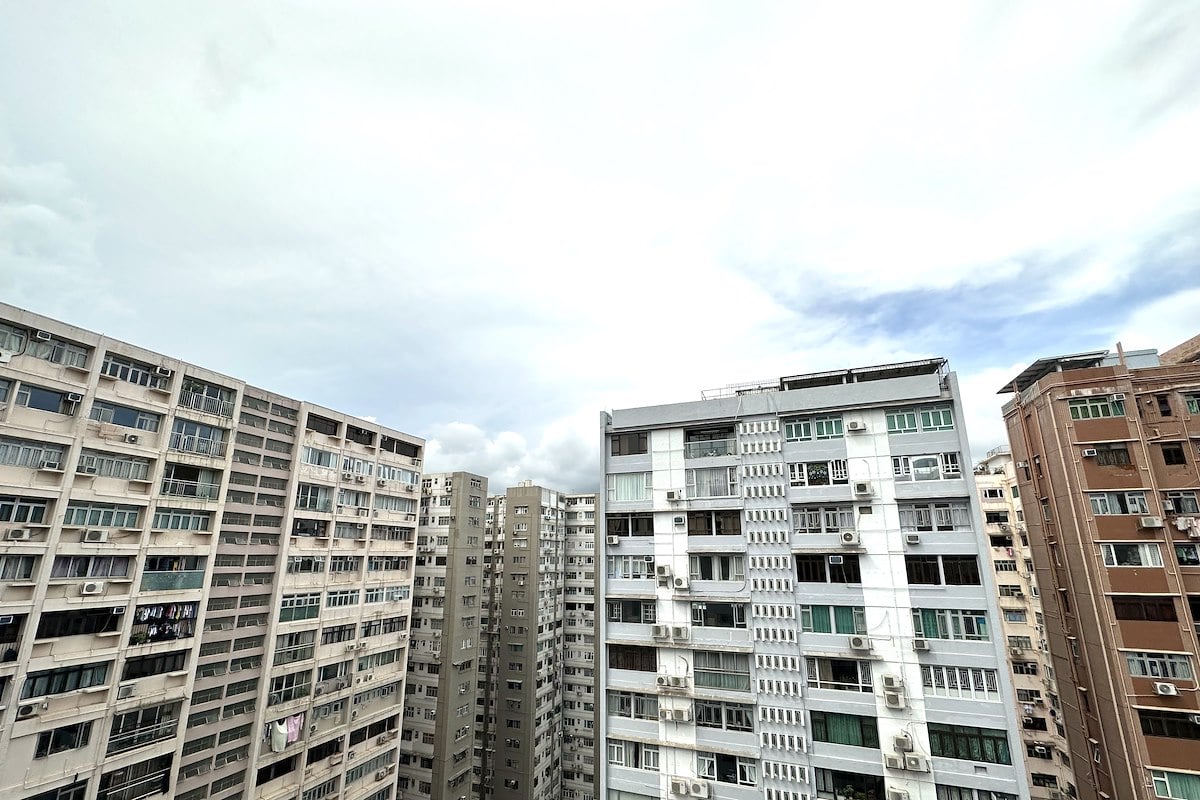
197,489
172,581
209,405
187,443
121,742
710,448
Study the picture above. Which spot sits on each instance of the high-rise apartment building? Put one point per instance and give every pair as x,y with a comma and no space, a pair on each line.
1043,735
580,707
439,706
204,587
797,597
1106,456
520,742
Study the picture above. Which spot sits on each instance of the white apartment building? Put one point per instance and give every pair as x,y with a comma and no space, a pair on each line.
204,587
1043,737
798,600
580,711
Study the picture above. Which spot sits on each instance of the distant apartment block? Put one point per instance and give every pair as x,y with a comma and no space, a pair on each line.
205,587
1105,450
1043,734
798,599
439,705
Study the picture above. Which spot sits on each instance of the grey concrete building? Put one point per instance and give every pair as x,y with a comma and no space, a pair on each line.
797,597
204,587
439,706
580,710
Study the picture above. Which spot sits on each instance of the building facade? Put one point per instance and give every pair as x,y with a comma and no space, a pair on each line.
580,708
1106,462
439,706
1043,735
204,587
797,598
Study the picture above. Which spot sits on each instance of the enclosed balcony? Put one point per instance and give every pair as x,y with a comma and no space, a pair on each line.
181,480
207,397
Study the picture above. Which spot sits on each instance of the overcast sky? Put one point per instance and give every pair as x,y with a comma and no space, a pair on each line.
485,223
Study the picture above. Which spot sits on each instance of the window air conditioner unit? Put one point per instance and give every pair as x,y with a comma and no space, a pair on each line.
662,680
19,534
132,438
863,488
920,644
1016,651
679,633
664,715
165,372
126,691
42,336
894,699
51,465
95,537
856,426
681,715
679,520
897,794
835,560
1022,465
860,643
698,789
679,786
902,743
893,762
1195,718
27,711
916,763
680,583
347,476
1117,396
912,538
1041,750
360,478
1150,522
678,682
74,397
662,571
1088,452
659,631
892,681
850,538
92,587
674,495
613,540
1166,689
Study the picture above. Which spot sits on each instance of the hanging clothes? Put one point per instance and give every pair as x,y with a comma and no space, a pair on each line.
279,737
295,724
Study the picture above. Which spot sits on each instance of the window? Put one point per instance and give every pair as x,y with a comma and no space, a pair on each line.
300,606
143,726
947,623
156,664
1153,609
1014,615
634,706
712,482
1131,554
930,418
973,744
49,400
727,769
818,473
822,519
841,674
828,569
1160,665
81,622
1096,407
1173,454
629,487
642,659
716,568
1168,724
722,670
700,523
194,437
630,444
934,467
68,737
1188,555
719,615
1172,785
26,453
945,516
140,780
1104,503
971,683
828,426
64,679
833,619
20,568
1114,454
1181,502
639,755
848,729
729,716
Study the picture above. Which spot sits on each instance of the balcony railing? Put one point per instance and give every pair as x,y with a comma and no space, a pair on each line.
314,504
710,448
171,581
129,740
162,631
190,443
209,405
197,489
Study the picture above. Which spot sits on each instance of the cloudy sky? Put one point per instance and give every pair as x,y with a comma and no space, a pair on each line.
485,223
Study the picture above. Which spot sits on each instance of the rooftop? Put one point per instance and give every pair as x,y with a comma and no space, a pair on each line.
881,372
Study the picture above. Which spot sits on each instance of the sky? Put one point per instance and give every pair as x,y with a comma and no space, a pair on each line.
485,223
